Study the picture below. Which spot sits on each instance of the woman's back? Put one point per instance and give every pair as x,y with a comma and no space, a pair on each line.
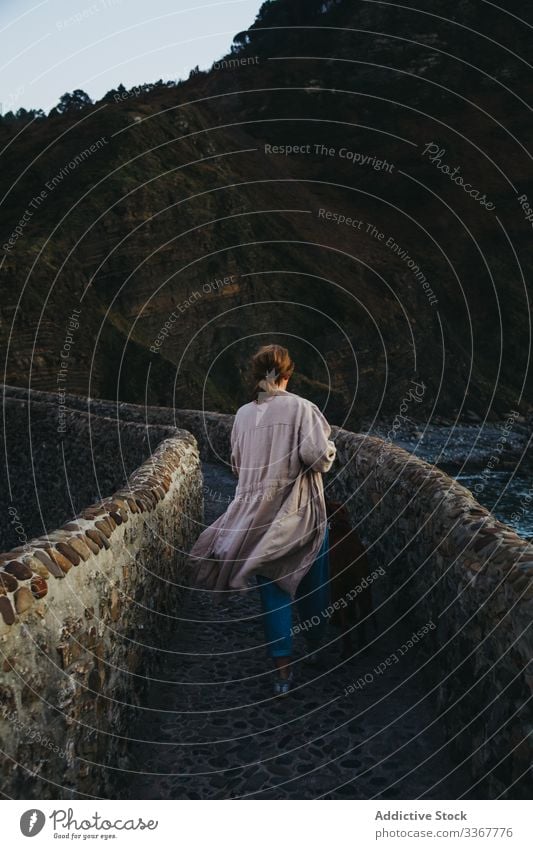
265,440
279,438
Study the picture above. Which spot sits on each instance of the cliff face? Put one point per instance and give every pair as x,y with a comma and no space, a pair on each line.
307,190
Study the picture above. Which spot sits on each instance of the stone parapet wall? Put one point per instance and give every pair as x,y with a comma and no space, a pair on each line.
449,560
84,611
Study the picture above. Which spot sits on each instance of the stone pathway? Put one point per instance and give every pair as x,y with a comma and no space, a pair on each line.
214,732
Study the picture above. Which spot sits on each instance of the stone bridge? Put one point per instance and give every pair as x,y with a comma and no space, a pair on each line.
118,678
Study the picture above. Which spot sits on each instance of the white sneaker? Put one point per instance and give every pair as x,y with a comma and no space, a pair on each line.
282,686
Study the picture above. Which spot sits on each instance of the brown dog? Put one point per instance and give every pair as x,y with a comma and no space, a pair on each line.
349,576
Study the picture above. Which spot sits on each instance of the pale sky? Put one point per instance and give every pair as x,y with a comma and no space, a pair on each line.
53,46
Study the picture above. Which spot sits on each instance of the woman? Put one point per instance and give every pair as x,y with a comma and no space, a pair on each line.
275,529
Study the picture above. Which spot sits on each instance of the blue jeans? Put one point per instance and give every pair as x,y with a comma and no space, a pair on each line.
312,599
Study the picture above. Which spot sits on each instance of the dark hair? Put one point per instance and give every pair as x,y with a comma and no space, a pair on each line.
272,363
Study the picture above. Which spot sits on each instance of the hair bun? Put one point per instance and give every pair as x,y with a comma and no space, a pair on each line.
270,365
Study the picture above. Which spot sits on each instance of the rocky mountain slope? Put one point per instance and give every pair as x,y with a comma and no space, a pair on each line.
307,190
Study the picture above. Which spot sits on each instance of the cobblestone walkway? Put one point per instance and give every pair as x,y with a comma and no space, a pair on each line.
216,733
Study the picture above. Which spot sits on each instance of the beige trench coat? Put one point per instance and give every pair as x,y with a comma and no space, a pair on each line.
275,524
